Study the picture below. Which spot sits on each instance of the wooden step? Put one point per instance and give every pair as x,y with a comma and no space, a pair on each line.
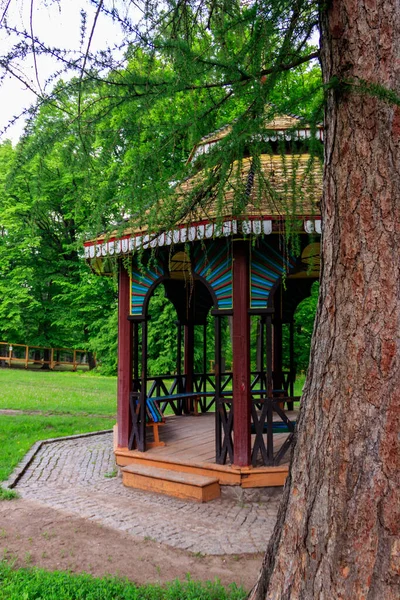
172,483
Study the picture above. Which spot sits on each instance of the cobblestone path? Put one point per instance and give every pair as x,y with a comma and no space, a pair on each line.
77,476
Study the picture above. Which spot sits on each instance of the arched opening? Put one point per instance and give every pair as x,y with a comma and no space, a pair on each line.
274,357
173,343
297,337
291,350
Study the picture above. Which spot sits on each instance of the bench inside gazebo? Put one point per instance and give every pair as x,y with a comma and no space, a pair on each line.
189,432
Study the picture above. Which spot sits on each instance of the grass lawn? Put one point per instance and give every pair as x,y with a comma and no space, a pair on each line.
19,432
57,392
67,400
299,384
37,583
72,402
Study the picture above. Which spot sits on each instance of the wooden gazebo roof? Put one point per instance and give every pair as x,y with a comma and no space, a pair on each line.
280,127
284,186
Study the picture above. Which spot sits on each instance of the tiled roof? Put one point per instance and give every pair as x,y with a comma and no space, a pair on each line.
282,186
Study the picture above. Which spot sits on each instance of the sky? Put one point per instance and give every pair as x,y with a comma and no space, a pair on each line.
58,23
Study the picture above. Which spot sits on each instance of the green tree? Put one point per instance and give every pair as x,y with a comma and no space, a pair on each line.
304,318
49,295
337,532
162,338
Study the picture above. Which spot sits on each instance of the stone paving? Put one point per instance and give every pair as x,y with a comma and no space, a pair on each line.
78,476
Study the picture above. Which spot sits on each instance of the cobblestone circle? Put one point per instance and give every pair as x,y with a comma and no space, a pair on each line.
77,476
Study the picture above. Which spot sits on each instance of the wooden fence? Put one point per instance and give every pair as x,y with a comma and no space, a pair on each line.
20,354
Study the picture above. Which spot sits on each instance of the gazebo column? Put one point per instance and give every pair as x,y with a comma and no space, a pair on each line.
136,356
125,350
205,366
261,351
179,361
141,444
269,419
188,360
278,382
220,408
241,354
178,349
292,370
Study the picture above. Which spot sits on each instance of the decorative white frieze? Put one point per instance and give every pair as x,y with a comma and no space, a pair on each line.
267,227
313,226
183,235
200,232
209,230
246,227
256,226
189,234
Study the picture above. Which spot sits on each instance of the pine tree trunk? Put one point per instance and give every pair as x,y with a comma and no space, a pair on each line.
337,535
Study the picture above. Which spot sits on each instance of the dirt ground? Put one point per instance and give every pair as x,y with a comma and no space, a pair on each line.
35,535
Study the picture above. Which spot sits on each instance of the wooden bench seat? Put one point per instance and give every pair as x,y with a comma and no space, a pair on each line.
155,417
184,396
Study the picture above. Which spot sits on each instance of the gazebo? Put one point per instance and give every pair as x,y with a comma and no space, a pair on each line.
233,426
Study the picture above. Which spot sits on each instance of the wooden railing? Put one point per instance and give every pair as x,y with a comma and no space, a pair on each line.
21,354
268,415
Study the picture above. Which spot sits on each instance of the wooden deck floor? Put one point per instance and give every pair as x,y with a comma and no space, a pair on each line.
190,446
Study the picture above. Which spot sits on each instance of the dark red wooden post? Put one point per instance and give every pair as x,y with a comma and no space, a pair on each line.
292,367
277,376
241,354
205,357
125,348
218,401
269,345
136,355
189,356
143,388
292,371
179,350
188,360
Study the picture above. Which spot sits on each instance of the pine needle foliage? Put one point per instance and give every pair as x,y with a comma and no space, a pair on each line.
182,70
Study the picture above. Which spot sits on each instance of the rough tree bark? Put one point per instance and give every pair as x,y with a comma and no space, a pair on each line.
337,535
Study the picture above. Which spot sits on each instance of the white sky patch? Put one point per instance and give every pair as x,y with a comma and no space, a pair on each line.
58,25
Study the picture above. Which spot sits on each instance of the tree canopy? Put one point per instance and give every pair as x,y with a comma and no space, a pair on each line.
183,70
111,139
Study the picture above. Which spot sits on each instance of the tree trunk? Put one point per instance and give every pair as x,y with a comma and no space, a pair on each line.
337,535
91,361
46,357
3,352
